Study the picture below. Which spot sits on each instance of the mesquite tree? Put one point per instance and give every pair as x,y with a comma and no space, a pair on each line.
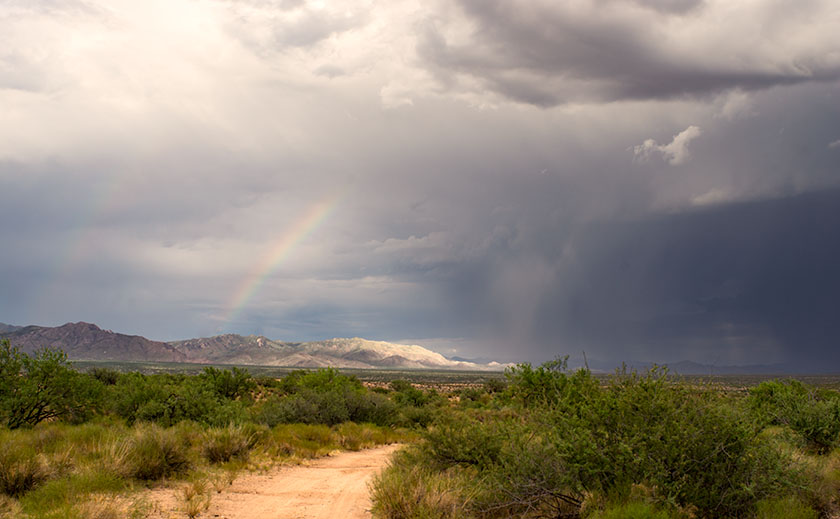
41,387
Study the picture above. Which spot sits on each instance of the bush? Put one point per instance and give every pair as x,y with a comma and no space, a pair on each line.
225,444
569,437
324,397
694,449
815,415
169,399
152,453
461,440
42,387
229,384
106,376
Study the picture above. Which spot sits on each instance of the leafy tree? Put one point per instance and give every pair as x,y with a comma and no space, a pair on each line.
230,384
42,387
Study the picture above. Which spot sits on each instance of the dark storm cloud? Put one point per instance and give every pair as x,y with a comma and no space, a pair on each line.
552,53
744,283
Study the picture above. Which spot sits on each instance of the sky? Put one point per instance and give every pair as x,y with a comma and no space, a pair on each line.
502,179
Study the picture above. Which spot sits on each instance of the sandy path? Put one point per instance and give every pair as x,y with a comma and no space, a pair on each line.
334,487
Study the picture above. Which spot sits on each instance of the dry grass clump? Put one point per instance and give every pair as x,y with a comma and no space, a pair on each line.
21,470
9,508
353,436
195,498
223,479
103,507
408,490
151,453
231,442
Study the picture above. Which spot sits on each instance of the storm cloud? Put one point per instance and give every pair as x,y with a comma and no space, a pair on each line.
640,180
548,53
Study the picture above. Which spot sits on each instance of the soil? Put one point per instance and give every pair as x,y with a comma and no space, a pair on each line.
334,487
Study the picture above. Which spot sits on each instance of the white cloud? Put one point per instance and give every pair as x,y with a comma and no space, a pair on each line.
711,197
835,144
675,153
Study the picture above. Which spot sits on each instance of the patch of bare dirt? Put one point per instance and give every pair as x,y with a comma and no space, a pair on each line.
334,487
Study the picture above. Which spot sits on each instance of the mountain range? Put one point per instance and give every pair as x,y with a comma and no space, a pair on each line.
85,341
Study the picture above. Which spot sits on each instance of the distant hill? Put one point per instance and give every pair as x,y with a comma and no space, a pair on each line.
339,353
85,341
6,328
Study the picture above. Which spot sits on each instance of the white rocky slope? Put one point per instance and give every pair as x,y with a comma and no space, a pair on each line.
339,353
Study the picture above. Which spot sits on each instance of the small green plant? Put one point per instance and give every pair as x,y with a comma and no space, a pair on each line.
195,498
223,479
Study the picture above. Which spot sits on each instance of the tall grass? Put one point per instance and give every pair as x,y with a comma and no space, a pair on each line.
22,467
152,453
412,490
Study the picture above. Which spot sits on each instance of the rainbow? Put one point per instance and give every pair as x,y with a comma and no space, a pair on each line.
304,226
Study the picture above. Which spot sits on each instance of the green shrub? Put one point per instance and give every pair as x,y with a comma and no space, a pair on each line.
464,440
224,444
152,453
696,450
812,413
228,384
43,387
329,402
411,416
819,423
570,437
106,376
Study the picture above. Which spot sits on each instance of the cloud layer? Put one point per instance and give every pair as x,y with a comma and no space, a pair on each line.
648,179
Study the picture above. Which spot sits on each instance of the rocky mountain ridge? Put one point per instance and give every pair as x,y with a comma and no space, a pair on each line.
85,341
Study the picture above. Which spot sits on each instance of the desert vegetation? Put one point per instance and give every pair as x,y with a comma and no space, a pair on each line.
544,442
555,443
83,444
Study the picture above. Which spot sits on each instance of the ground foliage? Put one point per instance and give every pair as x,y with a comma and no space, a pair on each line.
71,439
557,443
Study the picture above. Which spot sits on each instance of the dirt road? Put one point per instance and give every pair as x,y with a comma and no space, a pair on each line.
334,487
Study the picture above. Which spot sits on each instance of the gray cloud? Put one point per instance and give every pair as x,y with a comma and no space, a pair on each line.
154,168
546,55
